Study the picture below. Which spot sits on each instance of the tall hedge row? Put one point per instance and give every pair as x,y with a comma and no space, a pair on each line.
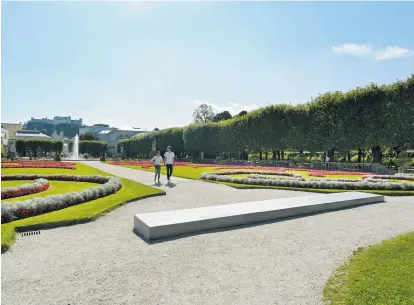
95,148
141,145
22,146
371,117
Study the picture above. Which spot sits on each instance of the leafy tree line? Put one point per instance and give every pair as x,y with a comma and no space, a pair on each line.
374,117
37,147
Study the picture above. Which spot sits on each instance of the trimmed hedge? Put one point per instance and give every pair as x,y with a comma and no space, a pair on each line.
39,185
301,182
371,117
95,148
35,145
141,145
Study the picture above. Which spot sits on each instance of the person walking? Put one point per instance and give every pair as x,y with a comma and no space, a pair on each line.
169,162
157,159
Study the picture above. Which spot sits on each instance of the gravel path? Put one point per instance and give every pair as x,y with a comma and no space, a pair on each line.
103,262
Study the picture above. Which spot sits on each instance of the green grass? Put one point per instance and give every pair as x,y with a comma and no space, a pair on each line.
55,188
379,275
189,172
85,212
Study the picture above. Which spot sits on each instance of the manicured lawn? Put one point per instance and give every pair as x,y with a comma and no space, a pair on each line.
379,275
79,213
189,172
55,187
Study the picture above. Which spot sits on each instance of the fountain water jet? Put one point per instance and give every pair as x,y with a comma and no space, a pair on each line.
75,148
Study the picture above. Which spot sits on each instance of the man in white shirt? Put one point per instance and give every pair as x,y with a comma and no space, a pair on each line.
169,162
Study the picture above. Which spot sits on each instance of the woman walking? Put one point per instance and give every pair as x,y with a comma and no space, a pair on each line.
169,162
157,166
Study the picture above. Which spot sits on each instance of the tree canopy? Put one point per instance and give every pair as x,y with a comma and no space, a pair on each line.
203,114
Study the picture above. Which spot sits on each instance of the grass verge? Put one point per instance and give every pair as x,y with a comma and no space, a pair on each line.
81,213
382,274
189,172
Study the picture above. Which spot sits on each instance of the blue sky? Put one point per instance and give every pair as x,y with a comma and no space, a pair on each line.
150,64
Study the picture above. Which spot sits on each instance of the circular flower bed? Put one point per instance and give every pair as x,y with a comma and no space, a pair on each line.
259,178
12,211
39,185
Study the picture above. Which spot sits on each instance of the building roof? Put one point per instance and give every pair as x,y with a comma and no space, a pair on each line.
104,131
130,129
31,134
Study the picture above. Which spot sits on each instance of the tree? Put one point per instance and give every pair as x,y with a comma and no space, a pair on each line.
241,113
222,116
203,114
88,136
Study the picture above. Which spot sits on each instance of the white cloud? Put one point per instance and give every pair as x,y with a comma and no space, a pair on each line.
353,49
233,108
389,52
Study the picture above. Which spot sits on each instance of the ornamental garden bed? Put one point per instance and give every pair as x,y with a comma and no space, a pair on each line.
39,185
39,164
73,214
12,211
278,179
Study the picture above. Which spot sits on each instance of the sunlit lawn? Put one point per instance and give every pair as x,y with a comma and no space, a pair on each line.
381,274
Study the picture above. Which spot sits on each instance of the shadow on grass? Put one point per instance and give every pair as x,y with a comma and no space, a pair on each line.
244,226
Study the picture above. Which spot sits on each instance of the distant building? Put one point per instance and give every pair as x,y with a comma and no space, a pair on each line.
112,137
5,137
95,129
12,128
58,124
31,135
57,120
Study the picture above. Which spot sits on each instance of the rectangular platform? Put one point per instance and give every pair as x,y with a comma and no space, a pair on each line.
172,223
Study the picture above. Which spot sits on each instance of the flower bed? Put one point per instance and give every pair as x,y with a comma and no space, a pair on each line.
39,185
12,211
39,164
406,177
363,184
312,174
328,172
269,168
144,163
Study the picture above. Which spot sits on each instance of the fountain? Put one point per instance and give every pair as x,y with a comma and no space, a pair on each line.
75,148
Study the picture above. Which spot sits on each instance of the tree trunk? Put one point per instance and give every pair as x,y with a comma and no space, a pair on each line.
278,155
267,155
349,157
274,155
260,156
331,154
376,152
359,160
283,155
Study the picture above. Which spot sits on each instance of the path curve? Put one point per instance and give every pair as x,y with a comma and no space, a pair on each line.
103,262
